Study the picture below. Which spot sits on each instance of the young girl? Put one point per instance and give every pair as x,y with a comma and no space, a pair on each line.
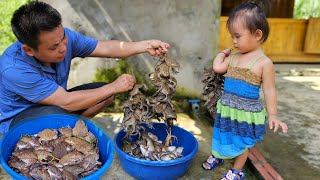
240,119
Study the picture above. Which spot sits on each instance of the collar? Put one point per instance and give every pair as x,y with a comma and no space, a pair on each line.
33,62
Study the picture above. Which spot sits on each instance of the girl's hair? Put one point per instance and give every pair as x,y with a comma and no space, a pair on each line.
253,17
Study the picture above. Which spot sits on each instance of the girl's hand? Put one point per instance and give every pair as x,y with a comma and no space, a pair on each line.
156,47
227,52
275,123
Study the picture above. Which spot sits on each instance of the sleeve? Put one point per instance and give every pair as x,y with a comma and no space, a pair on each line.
28,83
82,46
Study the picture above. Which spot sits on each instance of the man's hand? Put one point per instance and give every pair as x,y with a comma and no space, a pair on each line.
156,47
123,83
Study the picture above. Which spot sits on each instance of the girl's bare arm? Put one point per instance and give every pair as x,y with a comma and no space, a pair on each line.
269,91
221,61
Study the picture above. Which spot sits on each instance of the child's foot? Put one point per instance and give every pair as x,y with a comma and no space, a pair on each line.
212,162
233,175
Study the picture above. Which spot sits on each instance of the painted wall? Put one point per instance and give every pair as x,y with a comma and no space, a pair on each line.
190,26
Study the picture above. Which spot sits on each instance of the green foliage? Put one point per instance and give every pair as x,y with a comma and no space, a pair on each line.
304,9
7,8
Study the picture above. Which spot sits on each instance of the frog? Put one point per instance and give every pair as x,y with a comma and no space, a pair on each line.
129,124
54,172
174,66
163,70
15,163
22,145
71,158
87,173
168,156
61,148
178,151
80,144
169,113
169,137
90,137
27,156
152,136
136,89
45,145
66,175
80,129
44,156
56,164
66,132
38,171
90,161
30,140
47,135
74,169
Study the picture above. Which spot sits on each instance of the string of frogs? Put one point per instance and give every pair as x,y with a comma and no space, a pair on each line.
140,109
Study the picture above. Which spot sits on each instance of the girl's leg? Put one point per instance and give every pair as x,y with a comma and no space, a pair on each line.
240,161
238,164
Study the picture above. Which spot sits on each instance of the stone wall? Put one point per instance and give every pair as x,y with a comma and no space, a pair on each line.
190,26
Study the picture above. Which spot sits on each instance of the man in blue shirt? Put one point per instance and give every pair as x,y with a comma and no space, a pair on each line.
35,69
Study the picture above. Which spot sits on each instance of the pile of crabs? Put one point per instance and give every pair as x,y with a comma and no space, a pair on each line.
64,153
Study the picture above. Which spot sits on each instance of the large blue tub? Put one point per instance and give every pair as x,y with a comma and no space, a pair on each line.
33,126
159,170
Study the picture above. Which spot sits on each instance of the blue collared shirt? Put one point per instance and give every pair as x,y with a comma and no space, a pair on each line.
25,81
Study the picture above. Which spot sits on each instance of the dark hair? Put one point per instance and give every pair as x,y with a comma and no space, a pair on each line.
253,16
31,19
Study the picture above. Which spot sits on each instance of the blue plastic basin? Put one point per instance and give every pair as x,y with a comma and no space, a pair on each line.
159,170
33,126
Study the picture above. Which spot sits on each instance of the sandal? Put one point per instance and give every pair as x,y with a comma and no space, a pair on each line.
233,174
212,162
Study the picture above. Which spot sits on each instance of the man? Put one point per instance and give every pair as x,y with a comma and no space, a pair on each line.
34,70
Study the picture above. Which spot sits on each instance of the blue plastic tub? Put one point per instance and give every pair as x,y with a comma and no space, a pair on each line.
159,170
33,126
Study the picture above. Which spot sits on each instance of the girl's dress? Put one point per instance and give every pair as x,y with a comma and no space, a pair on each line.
240,118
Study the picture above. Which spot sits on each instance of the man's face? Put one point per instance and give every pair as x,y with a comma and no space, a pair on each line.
52,46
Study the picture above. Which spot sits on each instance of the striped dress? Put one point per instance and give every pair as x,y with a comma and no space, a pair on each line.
240,118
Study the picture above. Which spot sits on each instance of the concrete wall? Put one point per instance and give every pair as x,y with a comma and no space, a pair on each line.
190,26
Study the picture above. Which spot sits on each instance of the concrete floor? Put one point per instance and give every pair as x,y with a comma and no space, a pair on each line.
298,98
